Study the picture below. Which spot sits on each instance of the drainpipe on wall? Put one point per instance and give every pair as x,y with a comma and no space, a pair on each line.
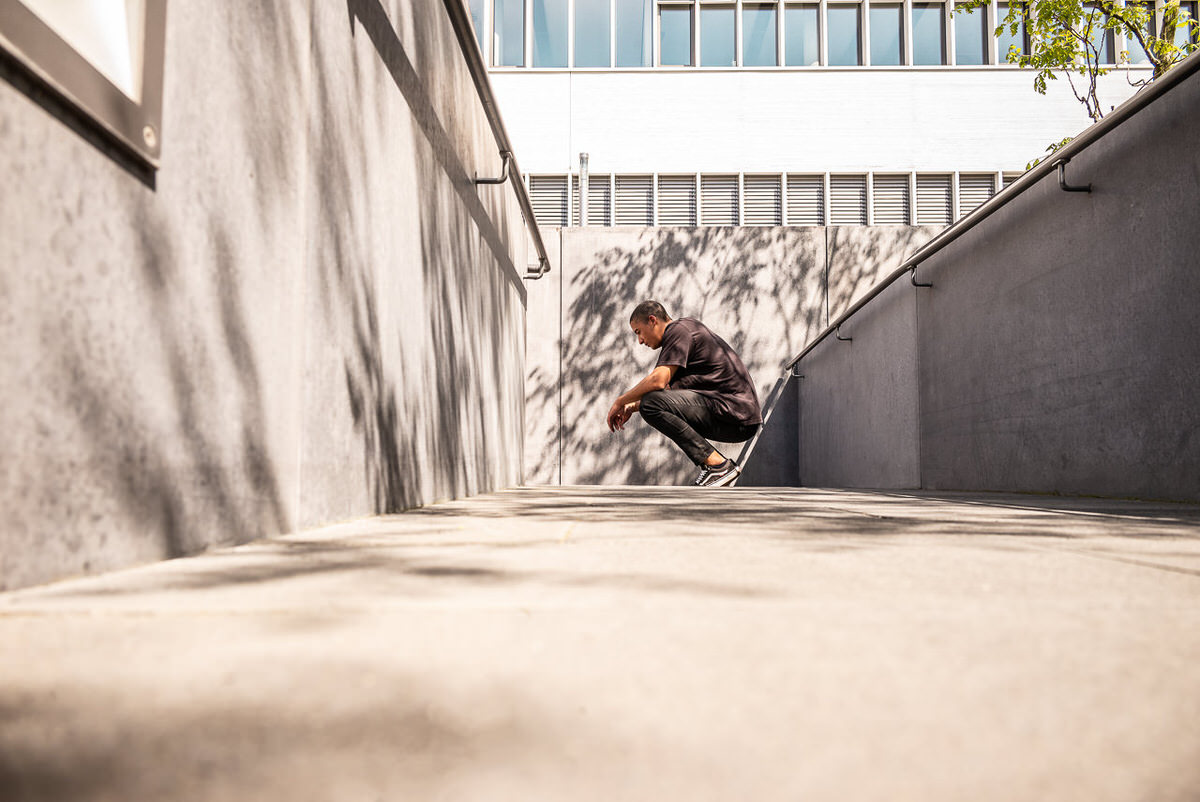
583,188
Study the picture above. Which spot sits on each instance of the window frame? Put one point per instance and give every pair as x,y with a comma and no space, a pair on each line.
136,124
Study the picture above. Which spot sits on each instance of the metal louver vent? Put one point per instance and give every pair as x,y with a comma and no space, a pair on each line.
848,200
719,200
891,205
763,201
548,194
933,200
974,189
805,200
676,200
1008,178
635,200
599,200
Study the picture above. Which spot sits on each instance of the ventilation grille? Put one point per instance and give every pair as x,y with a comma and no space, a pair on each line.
805,200
676,200
635,200
763,203
848,200
892,205
933,200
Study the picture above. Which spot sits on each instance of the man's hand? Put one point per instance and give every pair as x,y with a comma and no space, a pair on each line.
619,414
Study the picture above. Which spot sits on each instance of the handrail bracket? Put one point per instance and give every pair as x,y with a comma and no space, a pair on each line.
838,334
507,156
912,276
1062,179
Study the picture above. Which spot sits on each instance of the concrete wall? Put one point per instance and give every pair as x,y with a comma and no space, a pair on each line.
765,290
308,314
800,120
1058,350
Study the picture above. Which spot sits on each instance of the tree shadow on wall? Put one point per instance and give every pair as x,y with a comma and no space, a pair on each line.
429,352
758,288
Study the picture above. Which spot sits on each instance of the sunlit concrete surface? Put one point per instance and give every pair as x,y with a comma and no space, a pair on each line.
630,644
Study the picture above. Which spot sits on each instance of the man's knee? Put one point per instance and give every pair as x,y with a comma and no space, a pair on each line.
653,403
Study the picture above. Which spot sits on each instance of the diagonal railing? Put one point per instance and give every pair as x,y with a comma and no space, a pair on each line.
460,18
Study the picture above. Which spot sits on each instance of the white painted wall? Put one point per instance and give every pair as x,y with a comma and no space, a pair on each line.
811,120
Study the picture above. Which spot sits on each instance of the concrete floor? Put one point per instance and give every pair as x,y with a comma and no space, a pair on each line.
630,644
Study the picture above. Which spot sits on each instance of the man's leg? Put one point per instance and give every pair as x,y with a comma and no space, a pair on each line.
682,416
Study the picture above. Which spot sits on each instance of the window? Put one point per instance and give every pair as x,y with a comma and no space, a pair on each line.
844,24
1008,40
1185,26
717,42
1137,55
635,200
1101,39
675,36
719,200
549,33
805,200
548,195
848,200
974,189
633,32
677,200
891,203
933,200
763,204
887,43
591,33
104,56
970,36
508,34
477,21
928,31
801,36
758,36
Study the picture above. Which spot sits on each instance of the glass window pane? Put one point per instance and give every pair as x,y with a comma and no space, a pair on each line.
1102,40
477,21
928,26
844,48
509,47
1185,26
549,33
1007,40
633,32
801,48
1136,54
591,33
886,44
675,25
758,36
970,37
717,45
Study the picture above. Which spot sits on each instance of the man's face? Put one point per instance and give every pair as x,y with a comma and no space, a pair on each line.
649,331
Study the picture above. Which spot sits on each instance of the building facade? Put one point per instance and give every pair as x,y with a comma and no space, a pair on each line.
773,113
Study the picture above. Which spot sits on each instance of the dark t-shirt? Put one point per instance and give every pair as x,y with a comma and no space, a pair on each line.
708,365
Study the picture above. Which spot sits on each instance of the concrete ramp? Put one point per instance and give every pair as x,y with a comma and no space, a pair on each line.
581,643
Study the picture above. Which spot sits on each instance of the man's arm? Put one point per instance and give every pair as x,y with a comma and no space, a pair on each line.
629,401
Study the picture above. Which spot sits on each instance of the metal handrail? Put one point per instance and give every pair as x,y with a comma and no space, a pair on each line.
460,18
1058,161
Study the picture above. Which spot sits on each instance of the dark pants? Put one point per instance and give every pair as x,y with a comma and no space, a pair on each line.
688,417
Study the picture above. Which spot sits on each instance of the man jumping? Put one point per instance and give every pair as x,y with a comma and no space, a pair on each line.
698,389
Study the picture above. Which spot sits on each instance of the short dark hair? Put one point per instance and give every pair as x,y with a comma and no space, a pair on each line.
645,309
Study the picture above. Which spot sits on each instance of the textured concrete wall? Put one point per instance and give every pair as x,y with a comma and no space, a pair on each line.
308,314
1058,350
765,290
858,400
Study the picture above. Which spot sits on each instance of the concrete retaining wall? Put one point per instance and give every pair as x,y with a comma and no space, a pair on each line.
765,290
1058,350
309,314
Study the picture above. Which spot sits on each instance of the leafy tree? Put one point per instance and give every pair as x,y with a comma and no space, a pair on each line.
1069,37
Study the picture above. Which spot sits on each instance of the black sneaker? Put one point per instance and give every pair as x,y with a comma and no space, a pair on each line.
717,475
